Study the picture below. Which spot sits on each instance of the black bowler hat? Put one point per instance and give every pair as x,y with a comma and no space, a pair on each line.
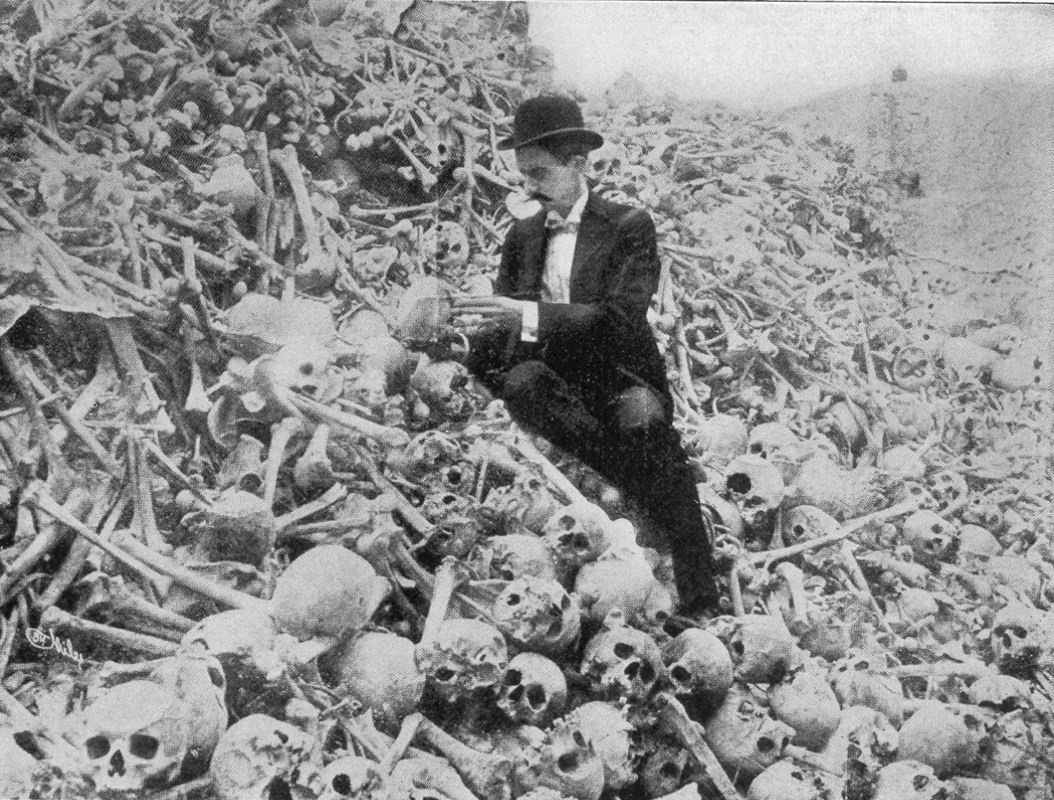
549,116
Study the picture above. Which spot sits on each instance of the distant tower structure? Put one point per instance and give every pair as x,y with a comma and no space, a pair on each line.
900,74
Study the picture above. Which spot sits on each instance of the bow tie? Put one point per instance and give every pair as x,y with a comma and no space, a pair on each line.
556,224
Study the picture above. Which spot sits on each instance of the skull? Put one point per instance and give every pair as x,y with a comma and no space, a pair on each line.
698,664
1004,692
380,672
349,776
931,538
666,769
761,647
860,680
975,789
577,534
328,591
756,486
610,735
909,780
621,661
743,736
787,780
978,541
806,702
238,526
243,640
466,656
243,468
260,757
301,365
563,761
948,488
777,444
533,691
864,735
620,580
439,385
945,738
966,360
134,737
538,615
446,245
721,438
458,527
530,502
514,556
17,767
428,453
1017,639
805,523
912,367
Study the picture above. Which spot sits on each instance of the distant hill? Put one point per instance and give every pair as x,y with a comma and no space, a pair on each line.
984,153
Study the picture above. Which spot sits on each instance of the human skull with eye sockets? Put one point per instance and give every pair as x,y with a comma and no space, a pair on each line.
466,656
948,488
743,735
788,780
1020,639
299,367
458,527
862,679
528,501
609,733
757,488
516,555
761,647
780,446
260,758
563,761
533,690
537,615
805,523
446,245
439,385
666,768
153,729
698,664
577,534
932,540
909,780
621,661
427,453
350,777
133,738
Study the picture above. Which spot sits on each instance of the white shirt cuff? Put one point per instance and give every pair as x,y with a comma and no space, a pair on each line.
529,323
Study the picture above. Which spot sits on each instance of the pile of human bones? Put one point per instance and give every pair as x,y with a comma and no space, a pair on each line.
281,545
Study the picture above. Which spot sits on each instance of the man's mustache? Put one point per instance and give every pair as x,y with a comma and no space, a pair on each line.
540,196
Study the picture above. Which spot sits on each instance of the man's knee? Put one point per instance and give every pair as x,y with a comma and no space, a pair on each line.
639,412
527,382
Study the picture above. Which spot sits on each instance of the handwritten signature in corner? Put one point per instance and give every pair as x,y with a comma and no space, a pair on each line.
47,640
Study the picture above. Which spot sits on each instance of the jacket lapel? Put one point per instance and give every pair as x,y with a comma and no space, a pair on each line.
533,264
593,232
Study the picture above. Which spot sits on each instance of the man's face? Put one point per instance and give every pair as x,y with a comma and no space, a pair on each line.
556,186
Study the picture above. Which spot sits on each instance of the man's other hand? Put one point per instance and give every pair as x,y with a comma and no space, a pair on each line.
493,311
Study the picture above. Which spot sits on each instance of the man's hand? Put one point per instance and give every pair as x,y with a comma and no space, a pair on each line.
488,312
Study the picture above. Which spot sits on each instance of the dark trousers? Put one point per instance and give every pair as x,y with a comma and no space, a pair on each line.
627,435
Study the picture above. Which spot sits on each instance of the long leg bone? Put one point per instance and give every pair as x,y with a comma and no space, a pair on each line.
108,596
67,624
673,715
231,598
36,497
281,435
392,437
446,581
486,775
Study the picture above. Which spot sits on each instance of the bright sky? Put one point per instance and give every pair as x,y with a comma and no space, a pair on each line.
782,52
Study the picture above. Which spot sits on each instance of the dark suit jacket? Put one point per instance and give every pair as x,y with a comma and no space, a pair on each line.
600,342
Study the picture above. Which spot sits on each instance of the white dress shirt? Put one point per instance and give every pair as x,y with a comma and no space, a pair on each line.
559,256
